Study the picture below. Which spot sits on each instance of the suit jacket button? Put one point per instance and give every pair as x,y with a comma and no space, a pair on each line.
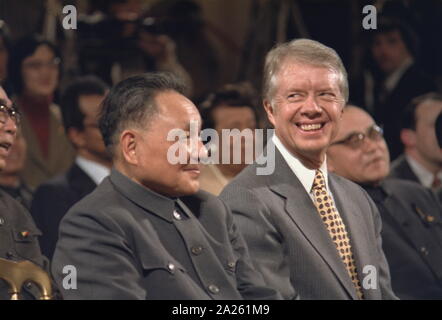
177,215
2,221
424,251
196,250
171,267
213,289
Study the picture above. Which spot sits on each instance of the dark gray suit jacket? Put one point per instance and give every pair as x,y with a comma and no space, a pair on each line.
289,243
412,238
53,199
401,169
127,242
19,241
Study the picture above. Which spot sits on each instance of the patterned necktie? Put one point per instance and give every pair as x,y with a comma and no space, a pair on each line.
335,227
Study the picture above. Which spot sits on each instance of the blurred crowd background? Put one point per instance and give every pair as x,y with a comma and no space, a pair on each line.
217,47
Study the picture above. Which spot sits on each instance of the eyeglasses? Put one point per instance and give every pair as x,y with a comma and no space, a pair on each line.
9,112
356,139
39,65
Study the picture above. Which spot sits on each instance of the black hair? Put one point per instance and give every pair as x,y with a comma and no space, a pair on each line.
70,105
409,119
232,95
24,48
391,24
131,102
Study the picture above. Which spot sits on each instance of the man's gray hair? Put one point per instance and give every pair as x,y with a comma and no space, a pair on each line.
304,51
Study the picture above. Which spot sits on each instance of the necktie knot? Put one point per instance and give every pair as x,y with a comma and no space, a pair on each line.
319,181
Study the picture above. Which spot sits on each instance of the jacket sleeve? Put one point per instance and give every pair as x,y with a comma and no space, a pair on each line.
92,260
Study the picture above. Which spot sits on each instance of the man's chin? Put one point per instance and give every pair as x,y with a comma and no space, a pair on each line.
190,189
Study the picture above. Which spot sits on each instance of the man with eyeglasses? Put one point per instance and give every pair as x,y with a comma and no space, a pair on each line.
411,214
18,233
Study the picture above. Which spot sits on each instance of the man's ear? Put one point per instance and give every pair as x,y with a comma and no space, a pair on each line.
270,111
76,137
408,138
128,145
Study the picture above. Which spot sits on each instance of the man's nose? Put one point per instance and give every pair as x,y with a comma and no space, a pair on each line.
10,126
369,145
201,152
311,107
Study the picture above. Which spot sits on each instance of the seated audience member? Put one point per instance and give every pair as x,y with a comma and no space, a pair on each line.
18,232
80,105
411,214
393,78
309,232
34,72
422,159
146,232
10,180
231,107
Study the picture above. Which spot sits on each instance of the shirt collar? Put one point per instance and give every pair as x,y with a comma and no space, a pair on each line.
304,174
425,177
97,172
156,203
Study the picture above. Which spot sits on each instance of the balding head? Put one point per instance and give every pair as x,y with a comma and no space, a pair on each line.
359,152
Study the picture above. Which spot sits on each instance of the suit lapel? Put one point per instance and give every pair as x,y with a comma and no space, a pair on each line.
302,211
356,228
404,170
80,181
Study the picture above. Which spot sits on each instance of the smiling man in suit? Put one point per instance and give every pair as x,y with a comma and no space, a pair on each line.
308,230
147,232
80,105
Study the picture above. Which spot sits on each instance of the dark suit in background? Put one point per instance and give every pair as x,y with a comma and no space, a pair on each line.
22,194
401,169
288,241
412,237
387,111
128,242
53,199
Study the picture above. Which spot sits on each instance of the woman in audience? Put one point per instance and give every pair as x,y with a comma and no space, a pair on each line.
34,73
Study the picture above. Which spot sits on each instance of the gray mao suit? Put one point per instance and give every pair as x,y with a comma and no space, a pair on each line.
127,242
289,243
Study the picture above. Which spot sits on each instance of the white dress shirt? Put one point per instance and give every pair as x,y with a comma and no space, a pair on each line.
425,177
97,172
304,174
